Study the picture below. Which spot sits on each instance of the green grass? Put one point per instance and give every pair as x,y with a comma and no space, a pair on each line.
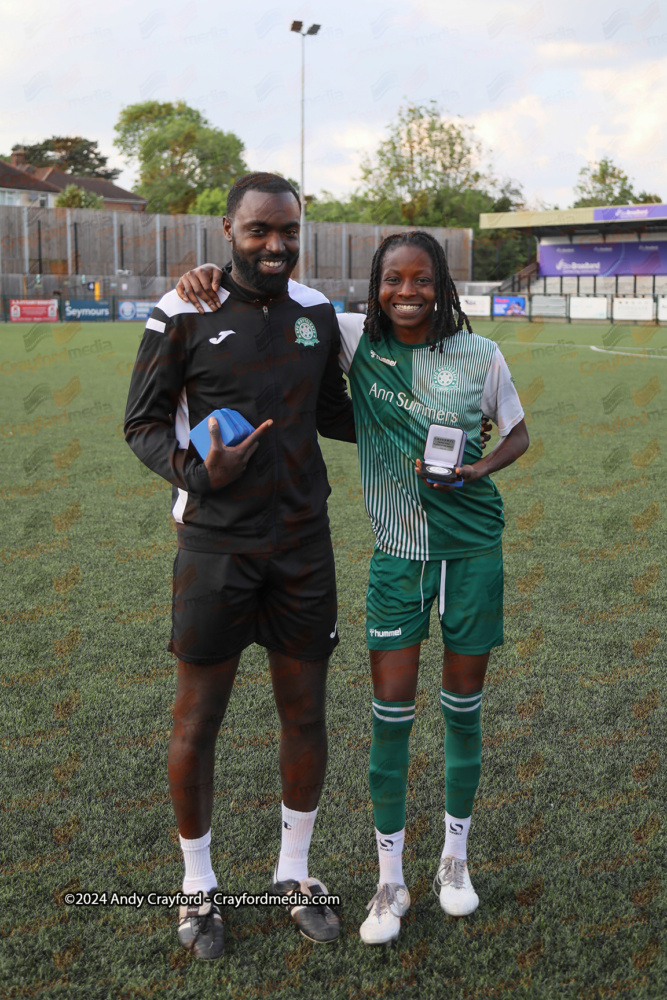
567,841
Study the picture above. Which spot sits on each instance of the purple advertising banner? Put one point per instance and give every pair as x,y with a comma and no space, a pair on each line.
621,213
603,258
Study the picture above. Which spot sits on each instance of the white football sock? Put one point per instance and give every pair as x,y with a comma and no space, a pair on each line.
197,856
390,853
456,836
297,830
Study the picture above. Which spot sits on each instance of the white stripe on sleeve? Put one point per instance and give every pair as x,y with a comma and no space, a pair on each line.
500,400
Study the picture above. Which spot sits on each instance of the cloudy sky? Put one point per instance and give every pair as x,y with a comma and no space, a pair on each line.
547,86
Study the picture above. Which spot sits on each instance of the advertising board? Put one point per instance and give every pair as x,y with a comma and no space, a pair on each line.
509,305
603,259
87,309
548,305
135,309
589,307
642,309
33,310
476,305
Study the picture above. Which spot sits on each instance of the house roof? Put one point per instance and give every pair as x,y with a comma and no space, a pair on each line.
10,177
107,189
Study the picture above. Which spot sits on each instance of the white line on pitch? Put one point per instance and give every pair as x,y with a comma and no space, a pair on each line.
631,354
569,347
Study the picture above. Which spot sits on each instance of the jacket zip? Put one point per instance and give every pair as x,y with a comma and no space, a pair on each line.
265,310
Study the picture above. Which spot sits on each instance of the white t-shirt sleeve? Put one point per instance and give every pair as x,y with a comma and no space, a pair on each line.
351,330
500,400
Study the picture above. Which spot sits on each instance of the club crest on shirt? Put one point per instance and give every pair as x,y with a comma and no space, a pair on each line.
305,331
445,377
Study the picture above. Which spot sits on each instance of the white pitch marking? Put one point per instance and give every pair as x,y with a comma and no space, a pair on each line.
631,354
591,347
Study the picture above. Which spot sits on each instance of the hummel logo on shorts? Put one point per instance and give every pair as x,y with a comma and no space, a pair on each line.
385,634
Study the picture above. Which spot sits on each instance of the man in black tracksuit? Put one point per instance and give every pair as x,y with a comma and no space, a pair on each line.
254,560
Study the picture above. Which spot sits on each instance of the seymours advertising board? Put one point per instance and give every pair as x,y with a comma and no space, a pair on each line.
33,310
87,309
602,259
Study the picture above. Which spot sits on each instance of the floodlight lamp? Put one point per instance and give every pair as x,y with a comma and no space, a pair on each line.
297,26
314,28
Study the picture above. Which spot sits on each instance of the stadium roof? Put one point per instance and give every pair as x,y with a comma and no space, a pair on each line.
581,221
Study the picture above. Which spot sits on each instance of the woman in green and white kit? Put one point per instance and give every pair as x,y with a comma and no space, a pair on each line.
413,361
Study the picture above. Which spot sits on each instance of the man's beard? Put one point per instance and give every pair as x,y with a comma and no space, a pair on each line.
267,284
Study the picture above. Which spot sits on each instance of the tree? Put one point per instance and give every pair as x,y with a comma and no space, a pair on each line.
179,154
328,208
425,154
428,172
605,183
645,198
71,154
499,253
213,201
76,197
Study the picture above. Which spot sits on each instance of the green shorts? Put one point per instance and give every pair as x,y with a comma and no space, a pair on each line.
469,594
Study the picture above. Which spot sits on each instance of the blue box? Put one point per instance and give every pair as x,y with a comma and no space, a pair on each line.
234,428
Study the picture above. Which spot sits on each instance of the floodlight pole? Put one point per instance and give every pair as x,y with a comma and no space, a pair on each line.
303,133
297,26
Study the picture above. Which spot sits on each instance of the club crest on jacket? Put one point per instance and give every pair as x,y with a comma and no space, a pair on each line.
305,331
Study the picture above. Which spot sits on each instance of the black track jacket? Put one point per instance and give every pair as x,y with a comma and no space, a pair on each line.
267,359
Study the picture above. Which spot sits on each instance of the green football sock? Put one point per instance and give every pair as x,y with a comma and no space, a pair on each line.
388,771
463,750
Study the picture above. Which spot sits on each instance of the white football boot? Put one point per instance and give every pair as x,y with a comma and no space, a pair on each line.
386,907
452,884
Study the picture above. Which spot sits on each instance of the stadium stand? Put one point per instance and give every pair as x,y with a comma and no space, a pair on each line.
608,250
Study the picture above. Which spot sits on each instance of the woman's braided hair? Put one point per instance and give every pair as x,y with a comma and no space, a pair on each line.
448,318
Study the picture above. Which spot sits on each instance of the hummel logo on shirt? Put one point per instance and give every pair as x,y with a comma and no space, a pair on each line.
385,361
221,336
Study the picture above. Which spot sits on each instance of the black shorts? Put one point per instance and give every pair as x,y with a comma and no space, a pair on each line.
284,600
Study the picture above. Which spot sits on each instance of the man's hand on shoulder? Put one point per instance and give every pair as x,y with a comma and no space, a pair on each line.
201,283
223,464
485,434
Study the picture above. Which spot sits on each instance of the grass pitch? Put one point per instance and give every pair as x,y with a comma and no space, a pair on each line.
567,842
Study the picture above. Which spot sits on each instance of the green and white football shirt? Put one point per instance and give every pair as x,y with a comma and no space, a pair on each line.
399,390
